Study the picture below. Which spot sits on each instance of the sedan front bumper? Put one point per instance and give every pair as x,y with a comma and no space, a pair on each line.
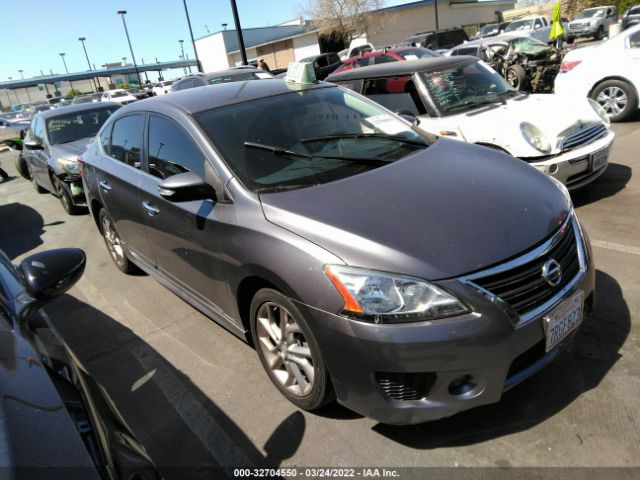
417,372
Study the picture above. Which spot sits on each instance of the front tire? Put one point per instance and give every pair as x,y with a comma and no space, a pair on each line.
618,98
114,245
288,351
571,39
65,197
516,76
600,33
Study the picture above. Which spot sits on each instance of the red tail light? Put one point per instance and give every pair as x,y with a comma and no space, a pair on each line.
566,66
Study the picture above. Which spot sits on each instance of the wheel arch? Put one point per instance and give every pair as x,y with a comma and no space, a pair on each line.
620,79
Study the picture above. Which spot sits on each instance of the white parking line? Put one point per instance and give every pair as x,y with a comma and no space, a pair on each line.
616,246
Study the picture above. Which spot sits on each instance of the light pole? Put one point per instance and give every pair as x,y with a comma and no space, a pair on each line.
46,87
122,13
236,19
182,56
82,39
66,69
193,42
25,88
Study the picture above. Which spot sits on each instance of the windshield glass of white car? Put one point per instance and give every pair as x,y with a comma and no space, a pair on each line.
466,87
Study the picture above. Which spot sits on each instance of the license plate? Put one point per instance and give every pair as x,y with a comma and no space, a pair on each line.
598,159
561,321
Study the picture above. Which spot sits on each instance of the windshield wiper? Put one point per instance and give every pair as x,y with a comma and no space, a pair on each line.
474,103
277,150
291,153
363,135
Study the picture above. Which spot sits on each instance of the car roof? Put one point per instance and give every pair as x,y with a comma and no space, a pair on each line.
199,99
408,67
233,72
75,108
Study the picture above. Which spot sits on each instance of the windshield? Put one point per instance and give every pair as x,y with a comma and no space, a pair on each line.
598,12
306,138
119,93
519,25
528,45
74,126
465,87
415,53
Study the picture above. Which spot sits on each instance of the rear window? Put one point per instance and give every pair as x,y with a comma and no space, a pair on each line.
119,94
238,77
415,53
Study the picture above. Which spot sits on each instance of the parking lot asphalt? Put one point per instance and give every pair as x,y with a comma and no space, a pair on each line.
196,396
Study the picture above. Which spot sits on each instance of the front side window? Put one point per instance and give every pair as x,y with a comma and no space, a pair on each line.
634,40
126,140
170,151
465,87
74,126
305,138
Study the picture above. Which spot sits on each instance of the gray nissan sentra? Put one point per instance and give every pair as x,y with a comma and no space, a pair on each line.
408,278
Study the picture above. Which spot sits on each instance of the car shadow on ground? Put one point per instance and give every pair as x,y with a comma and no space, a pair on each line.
21,229
185,433
593,352
613,180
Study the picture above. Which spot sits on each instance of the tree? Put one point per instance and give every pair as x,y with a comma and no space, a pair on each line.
345,18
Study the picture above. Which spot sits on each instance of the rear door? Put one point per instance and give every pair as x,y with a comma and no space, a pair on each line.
118,178
185,236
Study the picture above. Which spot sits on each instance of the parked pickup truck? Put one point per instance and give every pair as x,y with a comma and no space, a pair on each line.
534,27
592,22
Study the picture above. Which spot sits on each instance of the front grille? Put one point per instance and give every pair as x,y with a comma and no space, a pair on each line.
583,137
406,386
523,287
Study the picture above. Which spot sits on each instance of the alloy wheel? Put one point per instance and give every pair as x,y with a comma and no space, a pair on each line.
613,100
285,349
112,240
62,195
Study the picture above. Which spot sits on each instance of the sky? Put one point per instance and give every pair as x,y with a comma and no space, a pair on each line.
155,27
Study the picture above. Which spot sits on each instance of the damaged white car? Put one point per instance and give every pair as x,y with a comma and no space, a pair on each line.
465,99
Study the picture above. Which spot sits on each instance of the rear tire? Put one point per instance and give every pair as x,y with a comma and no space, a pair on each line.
571,39
114,246
288,351
618,98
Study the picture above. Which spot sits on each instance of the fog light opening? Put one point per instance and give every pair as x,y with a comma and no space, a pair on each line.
464,386
553,169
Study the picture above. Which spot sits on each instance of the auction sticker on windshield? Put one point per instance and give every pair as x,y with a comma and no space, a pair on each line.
563,320
387,124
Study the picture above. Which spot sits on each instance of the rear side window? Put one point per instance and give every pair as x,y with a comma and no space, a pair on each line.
126,140
383,59
37,129
171,151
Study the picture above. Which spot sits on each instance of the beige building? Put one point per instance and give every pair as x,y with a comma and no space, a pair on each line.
297,39
277,45
406,20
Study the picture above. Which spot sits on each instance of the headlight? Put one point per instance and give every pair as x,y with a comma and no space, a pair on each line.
535,137
69,165
386,298
602,113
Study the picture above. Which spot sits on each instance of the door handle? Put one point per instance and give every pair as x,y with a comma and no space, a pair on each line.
105,186
151,210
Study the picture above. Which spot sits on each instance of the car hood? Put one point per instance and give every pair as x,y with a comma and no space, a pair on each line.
70,150
36,430
554,115
446,211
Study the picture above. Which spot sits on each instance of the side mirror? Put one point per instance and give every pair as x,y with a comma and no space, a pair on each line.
33,145
49,274
185,187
